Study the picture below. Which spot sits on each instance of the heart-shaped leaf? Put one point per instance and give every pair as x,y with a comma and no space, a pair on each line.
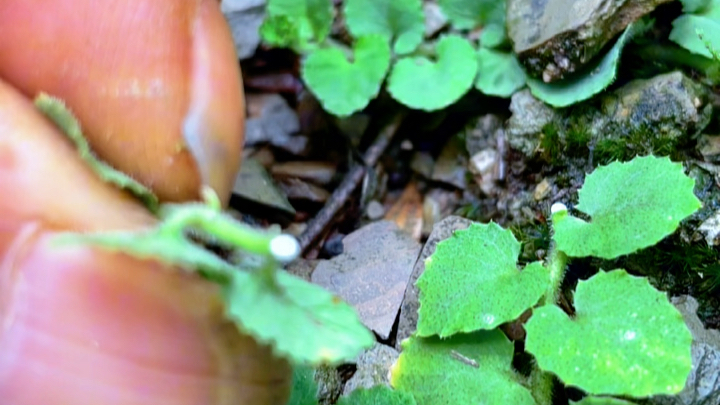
464,369
344,87
400,21
632,205
472,282
500,73
625,339
422,84
297,22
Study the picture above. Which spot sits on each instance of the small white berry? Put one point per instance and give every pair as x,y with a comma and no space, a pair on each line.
284,247
557,207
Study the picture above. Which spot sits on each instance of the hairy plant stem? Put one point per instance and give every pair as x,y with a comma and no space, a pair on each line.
541,385
556,265
217,225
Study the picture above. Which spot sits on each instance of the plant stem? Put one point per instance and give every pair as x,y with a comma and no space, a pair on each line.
541,385
556,266
219,226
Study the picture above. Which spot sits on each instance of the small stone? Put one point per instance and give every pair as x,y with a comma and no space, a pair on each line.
410,304
320,173
373,368
296,189
709,147
271,120
483,134
372,273
422,163
703,384
451,165
710,228
542,190
244,18
529,117
435,19
484,166
375,210
255,184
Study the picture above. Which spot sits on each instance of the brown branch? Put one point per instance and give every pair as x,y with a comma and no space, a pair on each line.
351,181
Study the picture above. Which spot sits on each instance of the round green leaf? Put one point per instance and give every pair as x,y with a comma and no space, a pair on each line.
632,205
304,389
377,395
401,21
464,369
422,84
685,33
602,401
625,338
472,282
469,14
585,84
500,74
344,87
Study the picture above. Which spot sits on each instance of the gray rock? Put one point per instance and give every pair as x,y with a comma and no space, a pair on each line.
529,117
435,19
373,368
483,134
709,147
271,120
320,173
408,312
372,273
244,18
639,115
296,189
703,384
374,210
451,165
554,38
255,184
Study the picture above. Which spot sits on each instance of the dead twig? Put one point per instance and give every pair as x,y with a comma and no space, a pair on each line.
351,181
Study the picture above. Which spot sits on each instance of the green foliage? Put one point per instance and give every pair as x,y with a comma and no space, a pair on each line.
500,73
624,338
586,84
703,17
470,14
632,205
420,83
378,395
56,110
308,324
623,333
464,369
399,21
601,401
344,87
297,23
304,388
472,282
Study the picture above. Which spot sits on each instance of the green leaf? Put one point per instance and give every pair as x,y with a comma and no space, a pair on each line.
56,110
493,35
687,27
297,21
602,401
377,395
302,321
625,338
399,21
469,14
464,369
305,388
472,282
692,6
422,84
500,73
632,205
585,84
345,87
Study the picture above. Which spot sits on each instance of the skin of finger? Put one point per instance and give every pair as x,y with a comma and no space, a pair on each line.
155,83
